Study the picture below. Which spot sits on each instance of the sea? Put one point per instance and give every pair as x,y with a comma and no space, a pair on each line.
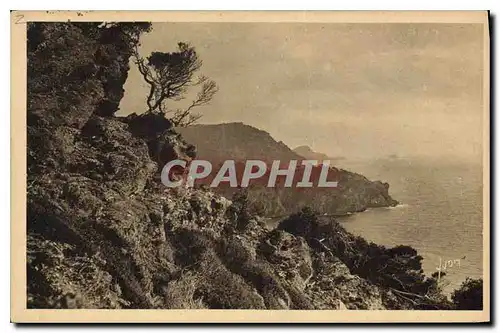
440,213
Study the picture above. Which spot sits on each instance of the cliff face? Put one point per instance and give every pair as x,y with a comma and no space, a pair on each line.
104,233
241,142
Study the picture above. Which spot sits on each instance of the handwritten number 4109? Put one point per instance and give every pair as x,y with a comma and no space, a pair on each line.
443,266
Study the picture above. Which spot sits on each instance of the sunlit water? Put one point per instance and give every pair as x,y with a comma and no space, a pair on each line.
440,213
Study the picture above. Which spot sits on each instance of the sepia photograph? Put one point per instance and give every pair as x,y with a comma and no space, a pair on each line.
333,166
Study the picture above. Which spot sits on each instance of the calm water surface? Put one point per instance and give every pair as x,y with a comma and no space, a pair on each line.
440,213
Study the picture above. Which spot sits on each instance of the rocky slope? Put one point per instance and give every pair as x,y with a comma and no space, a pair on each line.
241,142
104,233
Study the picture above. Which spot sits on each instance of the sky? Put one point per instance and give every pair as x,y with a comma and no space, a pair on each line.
350,90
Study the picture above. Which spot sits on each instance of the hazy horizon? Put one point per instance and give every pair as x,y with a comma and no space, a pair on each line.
351,90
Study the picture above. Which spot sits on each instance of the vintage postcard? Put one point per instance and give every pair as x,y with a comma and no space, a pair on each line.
252,167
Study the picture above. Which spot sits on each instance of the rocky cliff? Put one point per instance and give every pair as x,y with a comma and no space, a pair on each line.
104,233
241,142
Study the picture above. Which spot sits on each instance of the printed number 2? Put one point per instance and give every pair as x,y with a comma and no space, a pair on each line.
19,17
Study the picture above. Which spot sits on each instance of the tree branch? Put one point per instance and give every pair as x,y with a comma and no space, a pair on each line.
169,75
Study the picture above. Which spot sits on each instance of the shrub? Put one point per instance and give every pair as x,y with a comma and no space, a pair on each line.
180,293
469,296
398,269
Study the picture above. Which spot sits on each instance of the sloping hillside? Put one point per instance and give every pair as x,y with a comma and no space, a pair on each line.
237,141
102,232
242,142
